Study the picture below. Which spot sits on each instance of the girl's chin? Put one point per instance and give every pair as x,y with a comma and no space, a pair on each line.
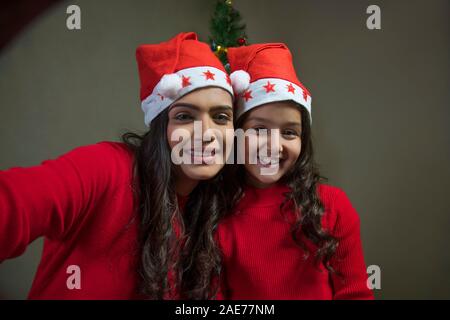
261,181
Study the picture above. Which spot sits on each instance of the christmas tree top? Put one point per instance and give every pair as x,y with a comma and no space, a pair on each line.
227,30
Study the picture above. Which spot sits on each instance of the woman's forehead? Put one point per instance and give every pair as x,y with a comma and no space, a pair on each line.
206,97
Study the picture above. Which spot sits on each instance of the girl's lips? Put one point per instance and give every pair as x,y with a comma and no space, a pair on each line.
267,162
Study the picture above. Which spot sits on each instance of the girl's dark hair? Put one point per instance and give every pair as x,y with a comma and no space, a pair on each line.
192,257
303,179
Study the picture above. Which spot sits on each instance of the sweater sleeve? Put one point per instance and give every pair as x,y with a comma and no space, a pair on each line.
49,199
348,260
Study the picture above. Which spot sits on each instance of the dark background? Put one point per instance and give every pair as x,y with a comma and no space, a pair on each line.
380,108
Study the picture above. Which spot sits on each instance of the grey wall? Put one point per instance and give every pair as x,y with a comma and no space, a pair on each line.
380,108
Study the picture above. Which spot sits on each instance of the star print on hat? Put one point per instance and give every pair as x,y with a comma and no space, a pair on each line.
264,73
171,69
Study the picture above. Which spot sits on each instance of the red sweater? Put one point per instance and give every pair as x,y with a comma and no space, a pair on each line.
83,204
261,260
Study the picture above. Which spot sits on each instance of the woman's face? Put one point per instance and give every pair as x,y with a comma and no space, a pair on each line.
211,109
284,116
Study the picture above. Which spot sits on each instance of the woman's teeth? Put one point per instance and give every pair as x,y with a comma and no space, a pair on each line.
201,157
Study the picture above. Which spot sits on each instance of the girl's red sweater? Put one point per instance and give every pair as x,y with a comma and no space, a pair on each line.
262,261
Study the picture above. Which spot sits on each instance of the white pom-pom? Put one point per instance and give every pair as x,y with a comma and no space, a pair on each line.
170,85
240,81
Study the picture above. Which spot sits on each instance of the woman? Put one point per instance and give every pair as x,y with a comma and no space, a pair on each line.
120,220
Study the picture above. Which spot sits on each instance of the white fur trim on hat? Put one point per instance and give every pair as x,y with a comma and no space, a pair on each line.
240,80
170,85
268,90
168,89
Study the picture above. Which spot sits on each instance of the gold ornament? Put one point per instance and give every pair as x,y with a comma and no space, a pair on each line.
229,2
220,50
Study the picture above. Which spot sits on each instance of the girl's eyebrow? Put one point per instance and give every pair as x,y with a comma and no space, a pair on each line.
289,123
293,123
193,106
259,119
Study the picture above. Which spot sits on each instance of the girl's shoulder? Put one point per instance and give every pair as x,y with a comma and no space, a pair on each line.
328,193
337,205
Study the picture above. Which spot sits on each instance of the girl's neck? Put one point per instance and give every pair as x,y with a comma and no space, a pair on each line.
252,182
270,195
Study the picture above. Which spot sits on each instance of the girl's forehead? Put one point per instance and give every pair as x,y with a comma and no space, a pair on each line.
275,113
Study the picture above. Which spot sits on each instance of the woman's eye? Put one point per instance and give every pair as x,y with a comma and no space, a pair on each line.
222,117
260,130
183,117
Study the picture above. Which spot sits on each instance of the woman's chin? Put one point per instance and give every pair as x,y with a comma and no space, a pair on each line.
201,171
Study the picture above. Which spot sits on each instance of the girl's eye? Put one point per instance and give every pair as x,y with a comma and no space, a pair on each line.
183,117
290,133
222,118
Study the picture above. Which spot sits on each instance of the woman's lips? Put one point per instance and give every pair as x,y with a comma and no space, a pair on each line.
199,157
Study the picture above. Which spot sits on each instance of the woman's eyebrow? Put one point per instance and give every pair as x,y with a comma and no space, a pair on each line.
193,106
184,104
222,107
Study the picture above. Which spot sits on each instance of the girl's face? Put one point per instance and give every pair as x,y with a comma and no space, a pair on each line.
211,108
284,116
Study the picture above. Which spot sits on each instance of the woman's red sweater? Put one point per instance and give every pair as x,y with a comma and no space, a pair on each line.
82,203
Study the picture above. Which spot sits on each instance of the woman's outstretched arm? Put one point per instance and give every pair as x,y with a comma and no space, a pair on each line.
51,198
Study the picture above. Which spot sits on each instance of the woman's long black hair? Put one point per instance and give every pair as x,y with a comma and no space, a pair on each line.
192,257
303,179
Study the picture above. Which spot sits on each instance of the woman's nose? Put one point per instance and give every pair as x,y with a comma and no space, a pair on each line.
207,127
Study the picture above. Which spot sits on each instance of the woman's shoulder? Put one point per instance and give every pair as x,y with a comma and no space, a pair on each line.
106,162
105,146
102,151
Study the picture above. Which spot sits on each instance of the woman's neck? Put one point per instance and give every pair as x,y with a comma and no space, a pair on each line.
184,185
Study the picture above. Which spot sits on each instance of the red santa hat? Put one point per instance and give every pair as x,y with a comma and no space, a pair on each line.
264,73
171,69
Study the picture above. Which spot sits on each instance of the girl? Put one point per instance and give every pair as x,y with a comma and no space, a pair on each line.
111,212
289,236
